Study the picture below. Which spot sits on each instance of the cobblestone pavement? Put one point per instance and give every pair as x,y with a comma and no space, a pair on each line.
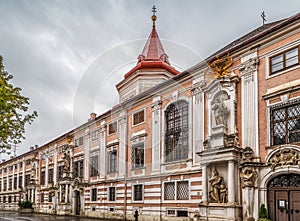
16,216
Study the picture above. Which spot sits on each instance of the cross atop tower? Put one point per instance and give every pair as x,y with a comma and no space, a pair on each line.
153,16
263,16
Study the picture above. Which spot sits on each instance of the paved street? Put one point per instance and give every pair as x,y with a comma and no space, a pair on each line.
15,216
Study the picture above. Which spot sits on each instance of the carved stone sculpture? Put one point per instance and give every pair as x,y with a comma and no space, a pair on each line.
218,191
248,177
33,171
221,66
287,156
220,111
67,161
247,155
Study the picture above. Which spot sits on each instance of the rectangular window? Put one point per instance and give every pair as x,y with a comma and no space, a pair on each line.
9,199
112,193
94,194
42,197
51,153
94,165
20,181
62,148
16,166
95,135
112,161
284,60
10,184
15,198
137,155
4,199
27,162
15,182
176,190
27,179
49,197
5,185
285,124
138,117
79,141
60,171
43,177
50,175
138,192
21,164
112,128
78,168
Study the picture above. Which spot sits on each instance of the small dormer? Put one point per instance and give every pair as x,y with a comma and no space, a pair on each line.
153,67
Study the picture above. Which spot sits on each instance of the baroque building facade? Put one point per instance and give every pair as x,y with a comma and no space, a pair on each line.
213,142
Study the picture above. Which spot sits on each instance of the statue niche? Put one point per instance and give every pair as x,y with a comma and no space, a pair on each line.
67,161
219,109
218,191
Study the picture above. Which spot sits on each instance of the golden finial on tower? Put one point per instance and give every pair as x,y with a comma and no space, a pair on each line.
153,16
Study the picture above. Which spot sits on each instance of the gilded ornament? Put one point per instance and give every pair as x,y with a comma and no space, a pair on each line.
221,66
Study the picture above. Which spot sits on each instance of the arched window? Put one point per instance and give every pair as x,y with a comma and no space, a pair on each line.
176,134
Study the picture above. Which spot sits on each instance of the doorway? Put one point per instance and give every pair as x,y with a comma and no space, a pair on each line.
77,202
284,198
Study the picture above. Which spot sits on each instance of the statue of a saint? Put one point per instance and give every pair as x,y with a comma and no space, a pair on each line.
67,161
33,171
220,111
218,190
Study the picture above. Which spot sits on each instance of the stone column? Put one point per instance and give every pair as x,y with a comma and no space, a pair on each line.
67,193
204,184
198,118
102,149
86,155
156,134
231,179
249,88
55,165
46,171
122,145
60,194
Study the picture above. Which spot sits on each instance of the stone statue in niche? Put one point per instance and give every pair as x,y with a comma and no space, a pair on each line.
248,177
220,111
33,171
67,161
218,191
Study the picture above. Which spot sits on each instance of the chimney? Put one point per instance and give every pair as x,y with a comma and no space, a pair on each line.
3,160
11,157
92,116
31,148
36,146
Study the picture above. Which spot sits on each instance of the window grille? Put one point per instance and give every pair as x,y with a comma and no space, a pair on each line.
182,190
50,175
176,135
285,124
94,165
112,193
169,191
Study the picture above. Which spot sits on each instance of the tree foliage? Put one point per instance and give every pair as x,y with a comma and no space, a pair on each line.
13,108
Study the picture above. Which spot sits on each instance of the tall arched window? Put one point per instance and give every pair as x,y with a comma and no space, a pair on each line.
176,134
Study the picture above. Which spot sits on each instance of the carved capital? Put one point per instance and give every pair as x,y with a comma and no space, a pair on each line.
156,105
248,68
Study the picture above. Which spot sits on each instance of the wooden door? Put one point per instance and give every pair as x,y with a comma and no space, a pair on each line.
77,202
295,205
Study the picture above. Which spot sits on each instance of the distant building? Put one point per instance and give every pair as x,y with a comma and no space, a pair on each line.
214,142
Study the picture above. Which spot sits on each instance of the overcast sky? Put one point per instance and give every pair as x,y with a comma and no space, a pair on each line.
67,55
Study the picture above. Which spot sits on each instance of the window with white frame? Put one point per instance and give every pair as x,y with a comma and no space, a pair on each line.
111,193
285,123
138,192
284,60
78,168
176,133
137,155
113,127
178,190
95,135
94,194
94,164
79,141
112,161
138,117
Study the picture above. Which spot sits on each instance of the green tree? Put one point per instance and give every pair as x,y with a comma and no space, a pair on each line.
13,108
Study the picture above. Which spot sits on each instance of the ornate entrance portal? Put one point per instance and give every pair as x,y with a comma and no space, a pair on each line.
284,198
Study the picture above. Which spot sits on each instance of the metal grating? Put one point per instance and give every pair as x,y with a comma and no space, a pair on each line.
182,190
169,191
285,124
